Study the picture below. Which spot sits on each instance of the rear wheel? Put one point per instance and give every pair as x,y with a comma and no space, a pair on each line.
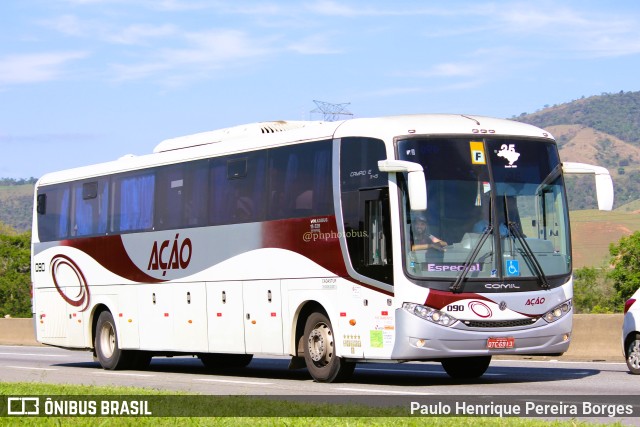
320,352
466,367
108,352
633,355
217,361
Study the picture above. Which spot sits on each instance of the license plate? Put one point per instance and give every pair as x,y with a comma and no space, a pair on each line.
501,342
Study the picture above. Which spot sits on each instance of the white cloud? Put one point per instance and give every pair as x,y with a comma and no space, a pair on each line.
334,8
140,33
35,67
69,25
451,69
314,45
572,31
206,50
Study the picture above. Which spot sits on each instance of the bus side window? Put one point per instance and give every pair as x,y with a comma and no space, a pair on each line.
134,198
89,213
300,181
365,207
237,188
53,222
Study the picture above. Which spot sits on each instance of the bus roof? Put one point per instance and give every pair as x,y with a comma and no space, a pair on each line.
270,134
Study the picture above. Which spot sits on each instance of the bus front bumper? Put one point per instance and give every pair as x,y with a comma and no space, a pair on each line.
419,339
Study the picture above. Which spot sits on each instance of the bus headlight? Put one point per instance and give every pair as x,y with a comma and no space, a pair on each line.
430,314
558,312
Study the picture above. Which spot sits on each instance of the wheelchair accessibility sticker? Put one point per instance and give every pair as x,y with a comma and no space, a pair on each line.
513,267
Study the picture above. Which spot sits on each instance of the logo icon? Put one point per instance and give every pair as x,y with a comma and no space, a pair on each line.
480,309
508,151
23,406
70,281
513,267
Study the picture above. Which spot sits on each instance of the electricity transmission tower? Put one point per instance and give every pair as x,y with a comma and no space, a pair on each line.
331,112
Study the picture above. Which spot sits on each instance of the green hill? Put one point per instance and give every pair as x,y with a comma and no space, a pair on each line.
603,130
16,202
616,114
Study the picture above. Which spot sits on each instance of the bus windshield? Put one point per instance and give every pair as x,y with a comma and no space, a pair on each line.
497,205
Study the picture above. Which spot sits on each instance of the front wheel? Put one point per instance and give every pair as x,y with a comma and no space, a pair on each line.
633,355
320,351
466,367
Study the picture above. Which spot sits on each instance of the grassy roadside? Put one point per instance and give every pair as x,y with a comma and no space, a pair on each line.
235,404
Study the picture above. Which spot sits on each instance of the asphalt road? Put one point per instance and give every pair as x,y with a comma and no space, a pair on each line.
270,376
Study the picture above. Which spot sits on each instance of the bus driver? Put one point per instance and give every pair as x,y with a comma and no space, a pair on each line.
422,240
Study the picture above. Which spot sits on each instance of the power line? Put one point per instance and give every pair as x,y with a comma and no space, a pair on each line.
331,112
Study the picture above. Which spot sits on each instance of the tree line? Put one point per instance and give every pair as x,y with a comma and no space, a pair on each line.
15,273
19,181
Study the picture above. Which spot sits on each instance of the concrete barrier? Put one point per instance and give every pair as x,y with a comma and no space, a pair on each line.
17,332
595,336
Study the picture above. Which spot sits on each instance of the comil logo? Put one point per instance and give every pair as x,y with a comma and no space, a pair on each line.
170,255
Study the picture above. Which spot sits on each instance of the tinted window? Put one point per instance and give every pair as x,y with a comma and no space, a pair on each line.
365,207
359,164
54,223
134,196
90,208
181,195
300,181
237,187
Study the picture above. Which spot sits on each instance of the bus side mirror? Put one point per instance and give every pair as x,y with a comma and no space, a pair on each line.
604,184
416,183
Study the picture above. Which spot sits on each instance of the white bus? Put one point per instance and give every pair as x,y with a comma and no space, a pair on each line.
418,237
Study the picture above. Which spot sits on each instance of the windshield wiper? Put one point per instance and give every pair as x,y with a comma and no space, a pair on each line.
534,265
458,285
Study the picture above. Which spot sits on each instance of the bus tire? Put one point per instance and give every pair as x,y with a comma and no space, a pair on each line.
217,361
108,352
320,351
466,367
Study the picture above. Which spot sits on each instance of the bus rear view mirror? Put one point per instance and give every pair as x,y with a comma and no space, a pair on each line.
604,184
416,182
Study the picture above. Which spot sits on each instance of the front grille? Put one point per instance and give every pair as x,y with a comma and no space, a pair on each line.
500,323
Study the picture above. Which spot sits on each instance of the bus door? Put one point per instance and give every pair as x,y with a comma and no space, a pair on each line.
376,263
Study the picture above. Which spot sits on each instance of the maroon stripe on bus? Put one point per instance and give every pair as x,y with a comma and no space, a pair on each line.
314,238
109,252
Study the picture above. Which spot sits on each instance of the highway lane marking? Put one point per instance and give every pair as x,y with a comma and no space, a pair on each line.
123,374
411,371
566,362
232,381
32,368
372,390
395,371
34,354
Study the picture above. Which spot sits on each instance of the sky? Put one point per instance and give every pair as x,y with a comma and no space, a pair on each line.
88,81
